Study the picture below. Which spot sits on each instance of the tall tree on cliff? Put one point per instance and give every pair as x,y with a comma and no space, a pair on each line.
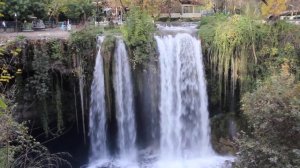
23,9
55,7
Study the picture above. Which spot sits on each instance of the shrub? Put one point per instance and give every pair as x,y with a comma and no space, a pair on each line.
273,112
138,33
18,148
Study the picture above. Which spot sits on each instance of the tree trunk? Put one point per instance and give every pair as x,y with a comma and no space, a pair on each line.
56,19
169,8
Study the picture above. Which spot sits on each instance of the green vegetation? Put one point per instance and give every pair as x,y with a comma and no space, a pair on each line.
138,33
24,8
18,148
39,83
84,39
1,8
273,114
38,69
46,9
256,61
242,49
75,9
259,61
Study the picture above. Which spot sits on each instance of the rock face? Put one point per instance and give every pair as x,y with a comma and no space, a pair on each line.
47,90
146,80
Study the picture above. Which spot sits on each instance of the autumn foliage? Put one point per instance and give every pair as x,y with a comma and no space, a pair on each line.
274,7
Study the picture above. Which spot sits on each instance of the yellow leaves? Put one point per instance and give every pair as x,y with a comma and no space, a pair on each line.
126,2
3,106
235,19
2,51
288,48
5,76
274,7
152,6
231,32
274,51
15,52
9,53
1,5
19,71
208,4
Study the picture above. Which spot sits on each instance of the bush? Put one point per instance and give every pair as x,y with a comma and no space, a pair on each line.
18,148
138,33
208,26
273,112
84,39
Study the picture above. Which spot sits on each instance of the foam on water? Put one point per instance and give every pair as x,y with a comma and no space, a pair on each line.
202,162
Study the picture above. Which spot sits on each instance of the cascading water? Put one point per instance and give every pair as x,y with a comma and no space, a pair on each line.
183,106
124,112
124,102
185,130
184,118
97,110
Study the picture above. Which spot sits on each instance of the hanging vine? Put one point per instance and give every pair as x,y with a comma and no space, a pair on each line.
82,46
58,105
240,47
39,82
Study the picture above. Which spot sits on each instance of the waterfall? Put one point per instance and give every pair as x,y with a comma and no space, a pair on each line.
123,89
183,121
97,110
185,131
124,101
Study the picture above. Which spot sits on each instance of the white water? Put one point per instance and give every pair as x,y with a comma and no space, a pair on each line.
184,115
185,130
123,89
97,110
184,120
124,102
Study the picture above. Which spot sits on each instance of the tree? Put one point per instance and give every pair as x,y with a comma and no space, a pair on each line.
273,7
55,7
78,9
72,9
1,8
24,9
151,6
